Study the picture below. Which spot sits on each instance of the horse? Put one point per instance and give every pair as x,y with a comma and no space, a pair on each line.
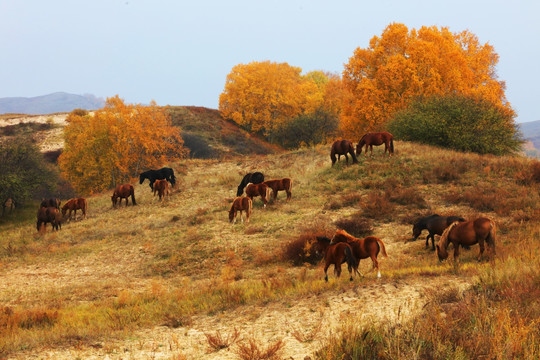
261,190
9,203
123,192
74,205
161,187
337,254
467,233
342,147
49,214
435,224
53,202
362,248
240,204
279,185
376,138
254,178
153,175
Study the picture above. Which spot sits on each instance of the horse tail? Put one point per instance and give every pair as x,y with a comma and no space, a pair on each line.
290,185
392,145
250,206
383,248
491,235
132,196
267,193
333,156
351,260
85,206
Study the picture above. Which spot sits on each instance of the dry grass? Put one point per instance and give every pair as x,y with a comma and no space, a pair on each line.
163,263
250,349
218,341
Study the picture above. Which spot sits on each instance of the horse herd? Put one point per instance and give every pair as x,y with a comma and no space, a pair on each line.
342,248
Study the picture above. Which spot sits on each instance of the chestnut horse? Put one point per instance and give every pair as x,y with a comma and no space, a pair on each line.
465,234
261,190
435,224
279,185
376,138
74,205
362,248
342,147
49,214
254,178
337,254
240,204
123,192
161,187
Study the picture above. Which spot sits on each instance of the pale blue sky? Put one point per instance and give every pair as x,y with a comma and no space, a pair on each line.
180,52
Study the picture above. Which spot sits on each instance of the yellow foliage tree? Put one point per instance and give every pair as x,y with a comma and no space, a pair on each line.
402,65
116,143
263,96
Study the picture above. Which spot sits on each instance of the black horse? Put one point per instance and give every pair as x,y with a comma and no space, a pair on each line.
435,224
254,178
153,175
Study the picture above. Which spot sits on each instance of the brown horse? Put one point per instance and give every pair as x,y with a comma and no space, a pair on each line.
161,187
376,138
435,224
337,254
280,185
342,147
362,248
74,205
123,192
466,234
51,215
54,202
261,190
240,204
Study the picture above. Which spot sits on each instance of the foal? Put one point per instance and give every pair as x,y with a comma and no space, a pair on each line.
279,185
240,204
337,254
261,190
161,187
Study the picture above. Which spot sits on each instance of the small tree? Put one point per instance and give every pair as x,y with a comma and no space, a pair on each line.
460,123
24,172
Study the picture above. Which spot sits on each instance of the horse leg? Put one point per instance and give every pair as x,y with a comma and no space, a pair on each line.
481,244
325,271
346,159
375,264
456,254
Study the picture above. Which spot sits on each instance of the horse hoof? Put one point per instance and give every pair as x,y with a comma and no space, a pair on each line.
350,279
326,279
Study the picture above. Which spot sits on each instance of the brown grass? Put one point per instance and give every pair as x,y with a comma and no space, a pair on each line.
218,341
250,349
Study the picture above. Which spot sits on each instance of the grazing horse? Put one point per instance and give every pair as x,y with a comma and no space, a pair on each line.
240,204
337,254
362,248
53,202
123,192
74,205
376,138
9,203
161,187
153,175
261,190
435,224
342,147
51,215
280,185
467,233
254,178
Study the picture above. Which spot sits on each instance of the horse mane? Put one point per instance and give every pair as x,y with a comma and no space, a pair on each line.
345,234
443,241
324,239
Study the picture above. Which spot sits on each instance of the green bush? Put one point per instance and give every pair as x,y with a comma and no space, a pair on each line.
459,123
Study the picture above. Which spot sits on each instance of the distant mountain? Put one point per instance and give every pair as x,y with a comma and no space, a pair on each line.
49,104
531,132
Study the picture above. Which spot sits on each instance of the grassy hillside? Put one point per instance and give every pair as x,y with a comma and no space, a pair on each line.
126,272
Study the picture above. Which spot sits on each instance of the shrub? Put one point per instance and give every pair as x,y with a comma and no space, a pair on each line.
355,225
302,249
458,122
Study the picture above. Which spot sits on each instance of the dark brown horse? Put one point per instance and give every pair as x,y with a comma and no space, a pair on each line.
337,254
123,192
261,190
161,187
51,215
467,233
280,185
376,138
240,204
254,178
342,147
54,202
368,247
435,224
74,205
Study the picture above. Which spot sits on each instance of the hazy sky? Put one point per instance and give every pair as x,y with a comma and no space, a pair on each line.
179,52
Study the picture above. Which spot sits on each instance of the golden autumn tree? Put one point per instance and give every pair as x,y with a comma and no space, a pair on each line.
403,65
263,96
116,143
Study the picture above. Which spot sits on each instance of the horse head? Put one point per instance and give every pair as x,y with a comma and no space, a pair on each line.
416,231
142,177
